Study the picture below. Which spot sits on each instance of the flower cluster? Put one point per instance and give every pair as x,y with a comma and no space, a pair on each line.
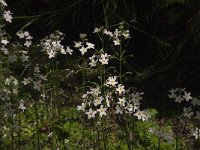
116,36
25,35
103,58
115,101
3,40
35,82
8,91
83,46
196,133
21,105
193,109
52,45
7,14
165,135
11,85
179,95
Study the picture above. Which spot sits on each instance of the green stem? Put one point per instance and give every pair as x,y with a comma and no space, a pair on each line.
177,129
56,93
1,87
159,138
56,79
104,136
19,130
12,136
120,64
94,141
53,100
37,126
98,138
83,117
105,14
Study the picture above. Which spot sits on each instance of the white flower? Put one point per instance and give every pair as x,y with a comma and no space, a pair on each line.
106,32
187,96
66,141
52,44
120,89
122,101
93,61
20,34
98,101
83,35
91,113
69,50
15,82
95,91
78,44
102,111
50,134
195,101
81,107
104,58
136,96
27,81
29,38
42,77
126,34
173,93
83,50
26,33
134,99
4,41
8,81
36,69
51,54
129,108
107,101
188,112
90,45
117,33
12,58
28,43
5,50
37,85
178,99
23,52
136,105
21,105
118,110
7,16
195,133
116,42
3,3
84,96
142,115
62,51
24,58
96,30
111,81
